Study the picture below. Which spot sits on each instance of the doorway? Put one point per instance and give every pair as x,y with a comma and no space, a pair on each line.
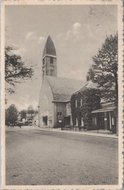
67,120
45,121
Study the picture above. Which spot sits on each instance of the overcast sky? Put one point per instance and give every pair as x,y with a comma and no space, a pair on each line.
78,31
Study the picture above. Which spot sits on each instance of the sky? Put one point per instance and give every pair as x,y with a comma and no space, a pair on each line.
78,31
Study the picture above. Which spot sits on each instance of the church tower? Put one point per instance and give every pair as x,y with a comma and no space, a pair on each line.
49,59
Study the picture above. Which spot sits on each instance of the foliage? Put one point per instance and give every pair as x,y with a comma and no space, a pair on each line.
105,69
11,115
36,111
90,74
28,113
23,114
30,110
15,69
90,101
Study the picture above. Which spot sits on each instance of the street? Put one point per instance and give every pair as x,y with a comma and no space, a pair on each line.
36,157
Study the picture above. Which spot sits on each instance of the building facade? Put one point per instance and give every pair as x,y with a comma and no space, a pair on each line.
105,117
83,102
89,113
55,93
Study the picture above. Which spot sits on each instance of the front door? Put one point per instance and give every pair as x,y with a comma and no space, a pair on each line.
45,120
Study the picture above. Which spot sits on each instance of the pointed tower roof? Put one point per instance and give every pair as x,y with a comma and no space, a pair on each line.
49,48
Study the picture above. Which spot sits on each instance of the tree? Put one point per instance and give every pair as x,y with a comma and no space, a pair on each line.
23,114
36,111
31,110
90,74
105,69
11,115
15,69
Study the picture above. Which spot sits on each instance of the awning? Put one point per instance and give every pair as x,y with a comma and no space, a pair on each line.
102,110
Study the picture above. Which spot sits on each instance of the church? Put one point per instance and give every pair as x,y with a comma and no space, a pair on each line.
56,92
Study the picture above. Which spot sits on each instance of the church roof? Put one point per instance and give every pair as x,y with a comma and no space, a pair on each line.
63,88
49,48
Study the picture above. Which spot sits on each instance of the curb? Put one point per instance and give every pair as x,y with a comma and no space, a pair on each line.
80,133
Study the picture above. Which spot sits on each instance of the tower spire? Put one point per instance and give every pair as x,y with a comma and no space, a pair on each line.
49,59
49,48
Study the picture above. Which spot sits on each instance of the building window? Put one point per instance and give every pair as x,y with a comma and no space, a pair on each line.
113,122
76,103
76,121
94,121
51,72
81,102
82,122
59,113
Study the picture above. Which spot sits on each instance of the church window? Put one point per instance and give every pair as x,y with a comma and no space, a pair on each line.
46,72
51,59
43,61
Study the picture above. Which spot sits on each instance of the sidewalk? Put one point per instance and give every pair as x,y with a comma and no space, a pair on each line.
101,133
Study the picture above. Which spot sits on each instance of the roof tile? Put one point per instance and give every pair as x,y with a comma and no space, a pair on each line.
63,88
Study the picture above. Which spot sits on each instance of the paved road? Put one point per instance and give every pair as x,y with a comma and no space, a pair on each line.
35,157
